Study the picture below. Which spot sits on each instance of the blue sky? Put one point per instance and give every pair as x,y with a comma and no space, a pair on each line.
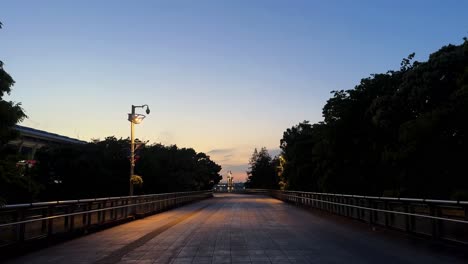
222,77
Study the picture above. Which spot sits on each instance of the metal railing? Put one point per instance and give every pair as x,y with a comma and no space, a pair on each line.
440,219
23,222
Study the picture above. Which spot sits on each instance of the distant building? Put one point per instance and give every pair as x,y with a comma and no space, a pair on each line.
31,139
225,187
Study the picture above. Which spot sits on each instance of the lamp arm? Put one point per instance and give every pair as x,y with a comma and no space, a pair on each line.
140,106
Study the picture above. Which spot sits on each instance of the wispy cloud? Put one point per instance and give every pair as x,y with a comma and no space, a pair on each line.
220,151
231,159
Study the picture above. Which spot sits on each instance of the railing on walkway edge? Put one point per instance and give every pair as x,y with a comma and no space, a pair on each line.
23,222
440,219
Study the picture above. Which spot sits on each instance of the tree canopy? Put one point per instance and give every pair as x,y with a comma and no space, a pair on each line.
400,133
10,114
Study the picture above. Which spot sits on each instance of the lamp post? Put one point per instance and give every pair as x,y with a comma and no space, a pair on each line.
134,119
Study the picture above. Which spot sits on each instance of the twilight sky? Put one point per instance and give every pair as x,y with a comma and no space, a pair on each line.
222,77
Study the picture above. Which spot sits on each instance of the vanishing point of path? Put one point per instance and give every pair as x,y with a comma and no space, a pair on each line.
234,228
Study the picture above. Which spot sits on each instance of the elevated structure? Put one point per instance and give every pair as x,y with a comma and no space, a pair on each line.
232,228
31,139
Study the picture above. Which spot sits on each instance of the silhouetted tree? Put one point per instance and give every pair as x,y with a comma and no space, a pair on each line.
262,171
10,114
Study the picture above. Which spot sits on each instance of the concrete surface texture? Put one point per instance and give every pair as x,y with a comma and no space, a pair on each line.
235,228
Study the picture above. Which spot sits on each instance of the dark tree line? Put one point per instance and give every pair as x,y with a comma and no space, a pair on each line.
400,133
101,169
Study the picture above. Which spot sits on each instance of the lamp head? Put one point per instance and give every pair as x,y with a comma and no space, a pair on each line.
135,118
147,110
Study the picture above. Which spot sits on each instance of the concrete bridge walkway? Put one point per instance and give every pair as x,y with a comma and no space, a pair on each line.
234,228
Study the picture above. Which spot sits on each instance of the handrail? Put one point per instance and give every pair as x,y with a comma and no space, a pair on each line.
375,197
441,219
383,210
22,223
86,200
90,211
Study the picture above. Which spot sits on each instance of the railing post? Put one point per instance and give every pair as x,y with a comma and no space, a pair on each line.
126,209
136,208
348,209
386,207
434,211
83,216
104,212
339,207
72,218
66,221
358,210
364,203
320,203
324,198
336,208
131,208
99,213
158,203
407,217
20,228
112,211
50,222
44,222
328,208
88,223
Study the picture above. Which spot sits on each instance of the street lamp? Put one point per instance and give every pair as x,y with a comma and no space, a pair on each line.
134,119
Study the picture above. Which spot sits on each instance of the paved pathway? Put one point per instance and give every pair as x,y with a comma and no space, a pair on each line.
242,229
